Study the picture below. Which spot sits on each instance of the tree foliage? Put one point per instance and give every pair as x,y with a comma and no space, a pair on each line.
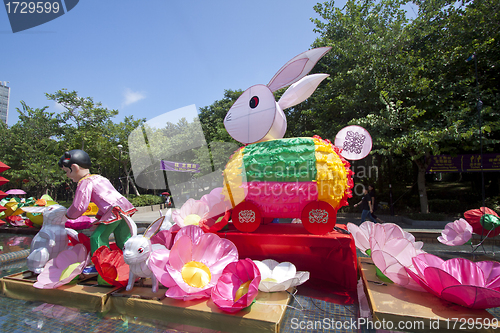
406,80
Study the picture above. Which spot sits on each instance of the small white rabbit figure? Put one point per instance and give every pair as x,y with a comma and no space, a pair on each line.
256,116
137,251
52,238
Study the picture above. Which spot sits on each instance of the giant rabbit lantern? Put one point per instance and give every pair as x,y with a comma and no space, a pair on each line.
272,177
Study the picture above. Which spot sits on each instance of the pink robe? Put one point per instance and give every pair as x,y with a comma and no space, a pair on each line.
99,190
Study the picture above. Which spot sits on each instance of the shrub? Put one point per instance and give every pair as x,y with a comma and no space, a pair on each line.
145,200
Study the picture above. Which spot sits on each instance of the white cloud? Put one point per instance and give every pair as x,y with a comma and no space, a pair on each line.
131,97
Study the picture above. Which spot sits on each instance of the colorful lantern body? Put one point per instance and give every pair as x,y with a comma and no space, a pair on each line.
281,178
471,284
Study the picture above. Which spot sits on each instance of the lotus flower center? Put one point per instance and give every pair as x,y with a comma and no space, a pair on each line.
242,290
196,274
192,219
68,270
270,280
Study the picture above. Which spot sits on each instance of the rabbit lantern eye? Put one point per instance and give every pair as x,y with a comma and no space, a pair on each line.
254,101
140,250
255,116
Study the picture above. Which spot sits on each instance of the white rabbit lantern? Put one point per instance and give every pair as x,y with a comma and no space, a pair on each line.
52,238
137,252
256,116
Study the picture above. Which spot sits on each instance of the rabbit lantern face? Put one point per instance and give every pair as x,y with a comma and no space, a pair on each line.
256,116
54,214
137,250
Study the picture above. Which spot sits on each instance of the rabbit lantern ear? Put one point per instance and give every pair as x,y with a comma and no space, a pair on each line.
297,68
131,224
301,90
153,227
256,117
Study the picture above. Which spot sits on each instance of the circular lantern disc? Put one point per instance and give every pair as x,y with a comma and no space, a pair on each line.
246,216
355,141
319,217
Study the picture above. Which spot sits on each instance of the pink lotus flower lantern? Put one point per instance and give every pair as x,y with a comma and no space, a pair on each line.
62,269
456,233
392,249
237,287
190,213
216,202
471,284
195,263
207,210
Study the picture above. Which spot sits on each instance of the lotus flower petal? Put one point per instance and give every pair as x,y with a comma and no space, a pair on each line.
237,287
392,250
393,261
213,224
459,280
361,234
456,233
279,276
472,296
178,293
62,269
164,237
217,203
194,233
111,266
157,264
491,273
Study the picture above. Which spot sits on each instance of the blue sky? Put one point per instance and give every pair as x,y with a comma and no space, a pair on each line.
145,58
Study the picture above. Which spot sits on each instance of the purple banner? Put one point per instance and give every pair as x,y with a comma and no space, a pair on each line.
179,166
464,163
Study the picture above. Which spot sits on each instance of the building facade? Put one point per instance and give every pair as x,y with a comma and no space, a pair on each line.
4,101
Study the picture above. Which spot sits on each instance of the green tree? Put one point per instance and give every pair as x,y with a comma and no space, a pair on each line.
85,120
405,80
119,134
32,149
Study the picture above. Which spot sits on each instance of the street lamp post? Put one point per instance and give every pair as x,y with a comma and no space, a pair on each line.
120,147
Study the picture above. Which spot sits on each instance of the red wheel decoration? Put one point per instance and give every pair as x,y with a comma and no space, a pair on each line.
246,216
319,217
